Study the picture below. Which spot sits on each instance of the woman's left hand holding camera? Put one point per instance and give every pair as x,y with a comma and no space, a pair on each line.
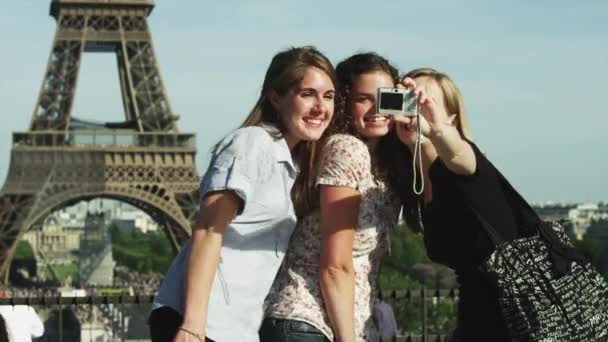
438,126
434,116
406,126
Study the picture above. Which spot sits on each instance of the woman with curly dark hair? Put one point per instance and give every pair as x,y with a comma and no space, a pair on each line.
326,286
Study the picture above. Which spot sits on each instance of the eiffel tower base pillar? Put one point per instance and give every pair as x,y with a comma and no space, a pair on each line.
161,182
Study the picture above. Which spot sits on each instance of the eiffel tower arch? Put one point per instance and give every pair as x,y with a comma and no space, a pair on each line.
143,160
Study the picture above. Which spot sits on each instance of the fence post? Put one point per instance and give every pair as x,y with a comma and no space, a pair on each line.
60,323
424,330
122,318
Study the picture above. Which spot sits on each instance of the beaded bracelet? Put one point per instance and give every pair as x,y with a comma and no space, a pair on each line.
198,336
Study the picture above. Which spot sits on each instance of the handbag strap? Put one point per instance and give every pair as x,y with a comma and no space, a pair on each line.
560,254
506,186
495,237
520,199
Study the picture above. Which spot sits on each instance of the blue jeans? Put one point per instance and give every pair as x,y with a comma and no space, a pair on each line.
286,330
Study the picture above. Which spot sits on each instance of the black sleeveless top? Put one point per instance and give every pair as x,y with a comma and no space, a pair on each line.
454,237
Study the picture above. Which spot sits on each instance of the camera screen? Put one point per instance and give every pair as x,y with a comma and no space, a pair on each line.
393,101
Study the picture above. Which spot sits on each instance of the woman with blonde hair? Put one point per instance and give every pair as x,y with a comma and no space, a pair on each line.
215,288
457,178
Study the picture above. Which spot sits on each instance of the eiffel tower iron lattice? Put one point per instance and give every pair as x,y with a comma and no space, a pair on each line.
61,160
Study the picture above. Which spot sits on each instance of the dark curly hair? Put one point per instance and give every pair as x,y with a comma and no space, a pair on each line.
347,73
389,157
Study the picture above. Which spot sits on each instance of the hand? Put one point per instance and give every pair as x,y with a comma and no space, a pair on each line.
432,107
434,114
406,126
407,83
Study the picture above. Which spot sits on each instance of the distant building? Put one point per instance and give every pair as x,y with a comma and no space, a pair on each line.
127,217
79,235
584,215
589,211
53,237
553,212
581,216
57,244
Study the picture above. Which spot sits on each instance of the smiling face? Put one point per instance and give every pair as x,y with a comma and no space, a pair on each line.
367,122
307,108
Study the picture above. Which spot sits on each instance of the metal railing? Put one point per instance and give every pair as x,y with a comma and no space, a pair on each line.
418,312
116,310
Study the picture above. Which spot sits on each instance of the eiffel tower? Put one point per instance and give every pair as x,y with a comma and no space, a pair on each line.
143,160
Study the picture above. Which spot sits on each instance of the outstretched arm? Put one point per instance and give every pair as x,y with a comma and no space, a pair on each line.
217,210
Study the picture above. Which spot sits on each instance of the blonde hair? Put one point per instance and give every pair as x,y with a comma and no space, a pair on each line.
451,97
454,105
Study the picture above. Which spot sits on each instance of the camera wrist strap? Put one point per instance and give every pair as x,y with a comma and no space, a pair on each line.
417,158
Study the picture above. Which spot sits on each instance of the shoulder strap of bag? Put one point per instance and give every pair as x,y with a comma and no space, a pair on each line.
495,237
560,254
521,201
523,207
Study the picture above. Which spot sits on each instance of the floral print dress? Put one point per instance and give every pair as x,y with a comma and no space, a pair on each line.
296,293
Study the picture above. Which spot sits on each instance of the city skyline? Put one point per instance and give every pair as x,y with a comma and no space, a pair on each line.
532,73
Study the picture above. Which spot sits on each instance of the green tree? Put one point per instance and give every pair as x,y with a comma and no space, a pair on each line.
141,252
24,251
407,249
23,260
408,268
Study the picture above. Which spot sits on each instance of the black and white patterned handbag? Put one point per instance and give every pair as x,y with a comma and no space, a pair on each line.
547,292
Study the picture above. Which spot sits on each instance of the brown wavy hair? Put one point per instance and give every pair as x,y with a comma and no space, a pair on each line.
347,73
286,71
388,155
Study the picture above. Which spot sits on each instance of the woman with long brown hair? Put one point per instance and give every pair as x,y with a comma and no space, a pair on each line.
215,288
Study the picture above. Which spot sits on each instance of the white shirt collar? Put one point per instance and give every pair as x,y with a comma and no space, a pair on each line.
281,148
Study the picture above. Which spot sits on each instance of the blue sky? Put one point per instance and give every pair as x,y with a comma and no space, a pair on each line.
533,73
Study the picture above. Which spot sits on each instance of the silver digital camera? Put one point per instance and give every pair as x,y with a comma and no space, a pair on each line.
396,101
